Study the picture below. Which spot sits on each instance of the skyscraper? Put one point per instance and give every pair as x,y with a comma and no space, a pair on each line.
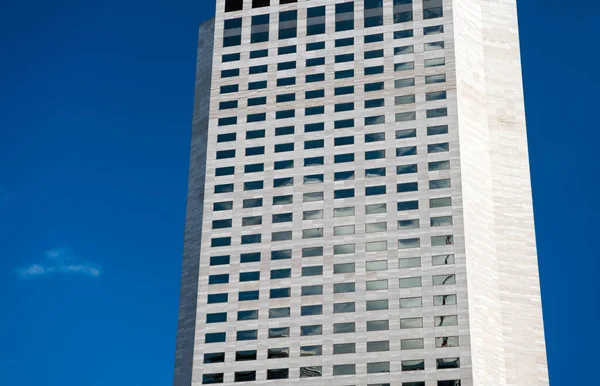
359,208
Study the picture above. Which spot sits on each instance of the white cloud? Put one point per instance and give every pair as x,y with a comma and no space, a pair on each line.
59,261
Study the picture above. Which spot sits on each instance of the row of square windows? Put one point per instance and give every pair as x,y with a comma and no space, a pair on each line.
317,330
338,176
316,20
319,232
317,270
338,43
343,58
338,212
402,134
305,351
347,369
317,290
370,191
337,230
317,309
340,74
320,143
338,107
338,124
375,265
405,187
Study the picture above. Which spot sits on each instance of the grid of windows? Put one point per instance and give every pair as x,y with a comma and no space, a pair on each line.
318,182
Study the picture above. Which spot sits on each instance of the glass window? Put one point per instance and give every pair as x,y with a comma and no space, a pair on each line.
247,335
402,11
282,273
344,16
376,285
288,24
411,302
376,227
374,246
311,330
435,62
378,346
410,282
244,296
312,251
408,205
409,243
247,315
378,367
218,357
442,259
440,202
437,241
281,254
254,220
312,271
343,230
315,22
404,99
343,268
219,260
280,332
344,369
343,176
408,224
208,379
411,344
316,309
376,208
249,276
310,351
344,348
441,221
251,239
339,308
218,279
448,363
376,305
315,46
339,288
283,200
411,323
448,320
312,233
344,328
311,371
312,290
217,298
278,374
413,365
444,300
378,325
342,249
444,279
410,262
283,312
446,341
218,317
432,9
276,293
214,337
378,265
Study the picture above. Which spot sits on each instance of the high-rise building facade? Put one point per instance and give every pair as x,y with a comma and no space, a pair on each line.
359,208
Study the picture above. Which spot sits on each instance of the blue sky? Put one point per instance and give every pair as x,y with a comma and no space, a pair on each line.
95,112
